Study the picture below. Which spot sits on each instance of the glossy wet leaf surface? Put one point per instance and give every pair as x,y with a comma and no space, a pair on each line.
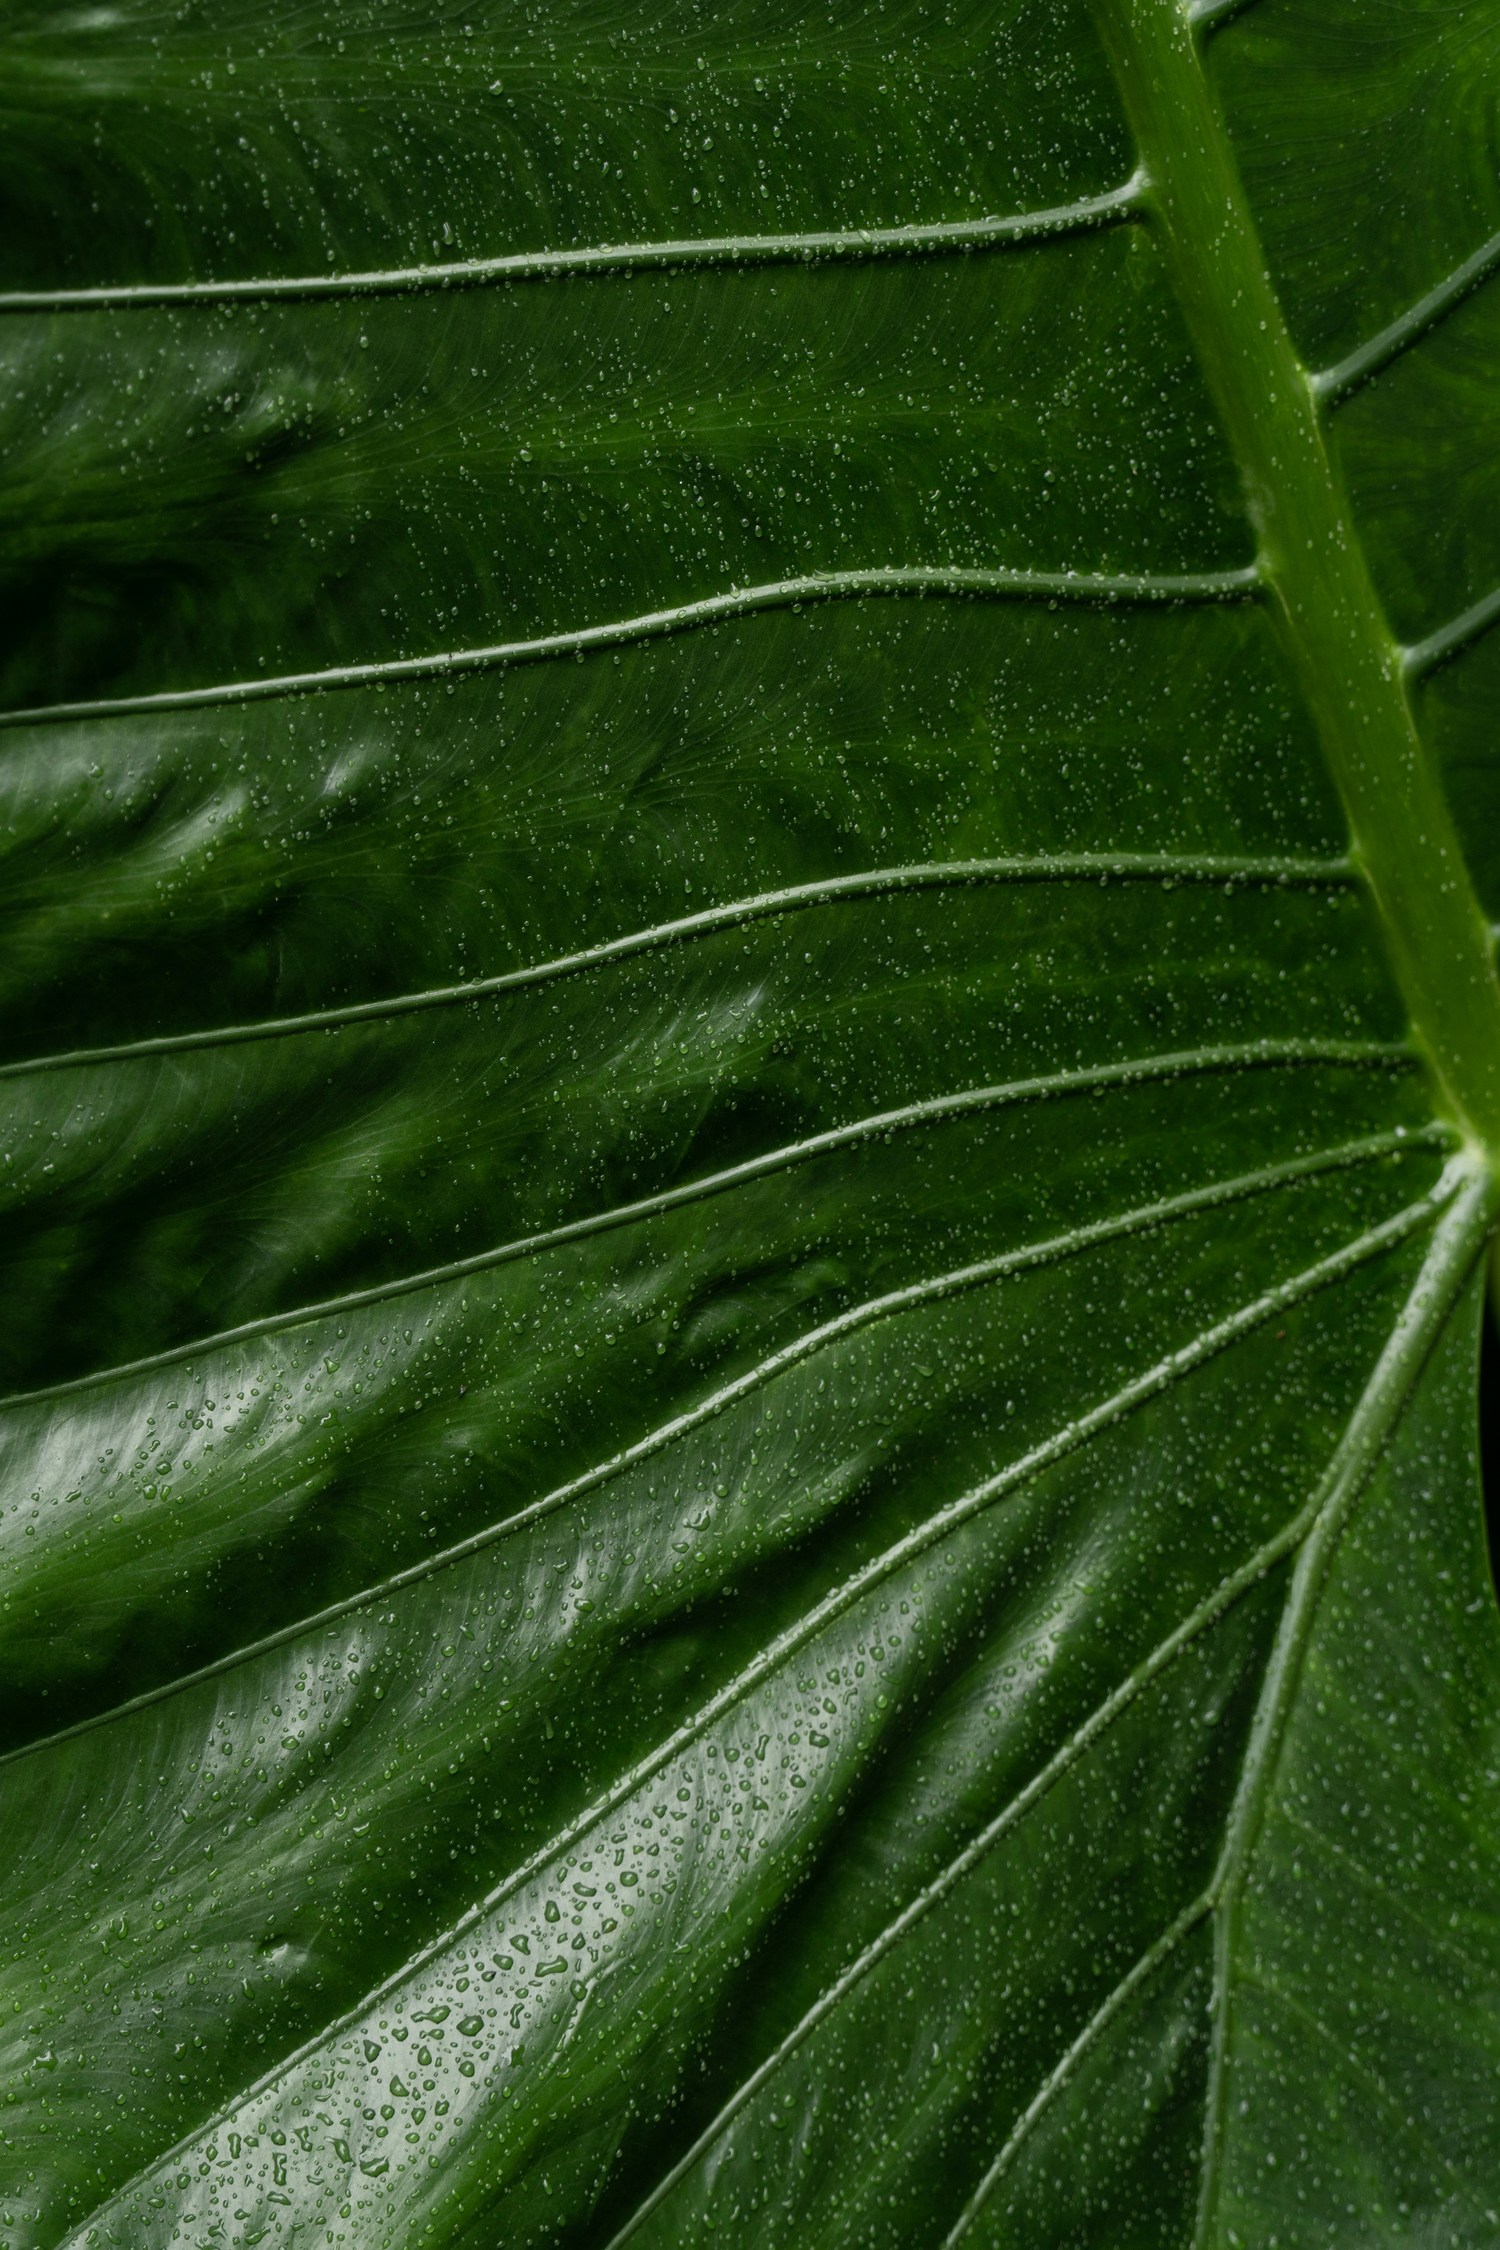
740,1497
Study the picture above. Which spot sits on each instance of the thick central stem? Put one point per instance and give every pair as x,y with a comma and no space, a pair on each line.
1314,569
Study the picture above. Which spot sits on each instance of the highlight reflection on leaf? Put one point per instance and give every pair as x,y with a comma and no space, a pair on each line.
746,1126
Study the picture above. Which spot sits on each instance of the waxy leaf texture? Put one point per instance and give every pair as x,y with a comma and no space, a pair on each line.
751,1082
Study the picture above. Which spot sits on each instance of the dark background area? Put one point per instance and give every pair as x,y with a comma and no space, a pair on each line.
1489,1433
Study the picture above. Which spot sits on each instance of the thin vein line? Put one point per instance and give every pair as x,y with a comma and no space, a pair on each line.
1097,589
1451,639
1455,1245
1129,1985
1062,867
1399,2106
1290,1054
1087,215
1230,1590
1218,1337
1334,384
1141,1220
1441,1940
1386,2095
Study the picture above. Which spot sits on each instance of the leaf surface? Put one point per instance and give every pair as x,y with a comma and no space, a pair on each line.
747,1072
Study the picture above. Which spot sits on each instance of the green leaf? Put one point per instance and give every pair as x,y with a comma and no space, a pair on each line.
751,1082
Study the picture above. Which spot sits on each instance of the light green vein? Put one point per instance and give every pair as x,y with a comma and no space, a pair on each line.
1354,1456
1457,1243
1092,589
1061,867
1124,1992
1451,639
1155,1380
1286,1054
1334,384
1085,216
1143,1219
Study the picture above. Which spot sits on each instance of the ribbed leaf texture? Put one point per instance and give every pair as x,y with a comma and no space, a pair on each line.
748,1052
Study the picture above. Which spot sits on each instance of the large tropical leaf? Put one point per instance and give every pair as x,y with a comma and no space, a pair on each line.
749,1081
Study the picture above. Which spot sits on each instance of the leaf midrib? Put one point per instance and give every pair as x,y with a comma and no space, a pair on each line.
1312,562
1415,865
1354,678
